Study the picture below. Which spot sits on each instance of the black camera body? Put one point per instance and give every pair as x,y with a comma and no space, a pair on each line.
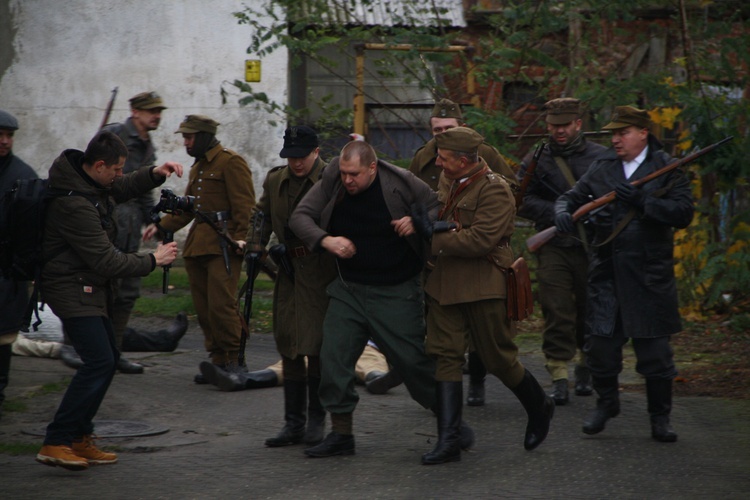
170,203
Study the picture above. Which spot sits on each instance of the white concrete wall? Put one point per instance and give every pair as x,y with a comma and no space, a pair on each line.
69,54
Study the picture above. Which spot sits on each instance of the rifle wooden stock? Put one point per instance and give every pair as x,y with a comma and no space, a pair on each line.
528,175
541,238
110,105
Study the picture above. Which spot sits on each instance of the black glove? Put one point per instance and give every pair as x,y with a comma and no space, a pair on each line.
442,226
426,228
421,221
630,194
564,222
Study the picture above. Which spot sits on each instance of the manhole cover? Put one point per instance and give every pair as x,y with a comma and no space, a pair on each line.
113,429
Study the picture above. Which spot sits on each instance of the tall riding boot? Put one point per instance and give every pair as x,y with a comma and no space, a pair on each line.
295,399
161,341
260,379
5,353
583,385
448,409
607,404
120,316
477,374
316,414
539,407
659,395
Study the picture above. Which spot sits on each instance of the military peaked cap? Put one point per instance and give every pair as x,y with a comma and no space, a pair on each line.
562,110
147,100
299,142
628,116
197,123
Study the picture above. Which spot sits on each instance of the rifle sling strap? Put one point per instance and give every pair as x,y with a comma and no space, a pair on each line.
565,170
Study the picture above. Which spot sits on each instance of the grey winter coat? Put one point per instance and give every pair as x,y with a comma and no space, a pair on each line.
401,190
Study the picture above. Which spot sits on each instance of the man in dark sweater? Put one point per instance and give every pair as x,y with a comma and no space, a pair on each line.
360,212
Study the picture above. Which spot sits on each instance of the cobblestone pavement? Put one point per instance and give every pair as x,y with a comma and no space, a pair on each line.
214,447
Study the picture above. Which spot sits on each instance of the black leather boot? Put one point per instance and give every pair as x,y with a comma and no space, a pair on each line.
380,383
659,395
295,399
607,404
477,374
260,379
334,444
539,407
449,402
5,353
316,414
559,392
583,385
70,357
161,341
124,365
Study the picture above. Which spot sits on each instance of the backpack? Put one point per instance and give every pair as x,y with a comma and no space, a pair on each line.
22,211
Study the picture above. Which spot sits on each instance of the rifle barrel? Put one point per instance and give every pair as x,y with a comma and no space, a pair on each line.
538,240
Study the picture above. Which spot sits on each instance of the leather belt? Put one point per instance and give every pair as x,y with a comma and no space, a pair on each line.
217,216
297,252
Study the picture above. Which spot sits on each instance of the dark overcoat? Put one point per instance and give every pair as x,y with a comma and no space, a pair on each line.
14,296
632,277
299,307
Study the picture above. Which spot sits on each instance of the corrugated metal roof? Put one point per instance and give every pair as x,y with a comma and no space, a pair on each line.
447,13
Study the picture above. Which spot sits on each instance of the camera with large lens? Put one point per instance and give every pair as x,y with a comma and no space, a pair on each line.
170,203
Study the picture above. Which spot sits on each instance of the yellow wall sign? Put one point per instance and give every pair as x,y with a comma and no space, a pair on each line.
252,70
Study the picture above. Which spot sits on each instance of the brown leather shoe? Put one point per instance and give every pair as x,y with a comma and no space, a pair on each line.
88,450
61,456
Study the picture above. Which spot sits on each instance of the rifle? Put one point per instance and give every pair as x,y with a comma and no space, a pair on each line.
110,105
528,175
225,242
541,238
252,260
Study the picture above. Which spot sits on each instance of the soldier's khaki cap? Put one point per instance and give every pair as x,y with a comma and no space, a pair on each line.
147,100
459,139
628,116
193,124
562,110
445,108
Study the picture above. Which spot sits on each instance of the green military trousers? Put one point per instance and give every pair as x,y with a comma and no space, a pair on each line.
393,317
562,275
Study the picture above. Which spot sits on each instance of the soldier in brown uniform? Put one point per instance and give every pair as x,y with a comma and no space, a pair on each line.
222,184
447,115
466,290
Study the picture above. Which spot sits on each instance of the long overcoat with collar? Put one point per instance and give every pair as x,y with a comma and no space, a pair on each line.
632,277
471,261
401,190
299,307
